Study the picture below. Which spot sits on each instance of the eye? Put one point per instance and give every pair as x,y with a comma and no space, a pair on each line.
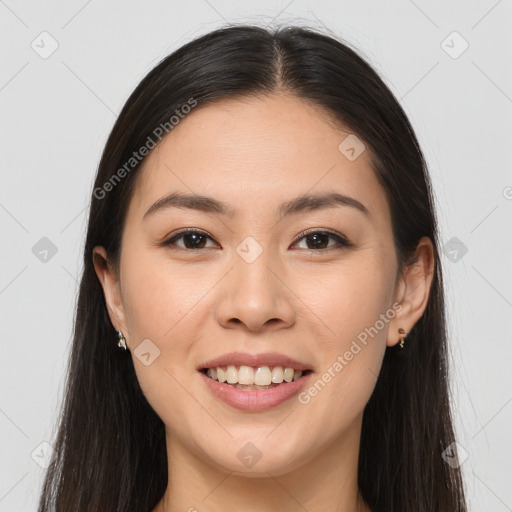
193,238
196,239
319,239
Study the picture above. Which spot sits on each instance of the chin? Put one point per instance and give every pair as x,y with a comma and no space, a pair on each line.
256,459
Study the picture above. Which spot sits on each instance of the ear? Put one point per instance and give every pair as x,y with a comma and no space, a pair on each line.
413,291
111,289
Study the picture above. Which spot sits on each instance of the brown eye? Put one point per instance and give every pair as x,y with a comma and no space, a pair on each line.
319,240
192,240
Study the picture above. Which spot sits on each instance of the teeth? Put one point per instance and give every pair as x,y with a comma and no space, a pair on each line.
262,376
248,376
288,374
231,375
277,374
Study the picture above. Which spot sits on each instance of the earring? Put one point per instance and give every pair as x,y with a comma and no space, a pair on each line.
122,340
402,338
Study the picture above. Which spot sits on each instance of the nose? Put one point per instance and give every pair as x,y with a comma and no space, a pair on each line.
254,296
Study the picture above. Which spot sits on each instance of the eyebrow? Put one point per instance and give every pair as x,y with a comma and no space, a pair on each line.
213,206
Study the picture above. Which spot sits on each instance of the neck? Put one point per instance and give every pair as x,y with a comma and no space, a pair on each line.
326,482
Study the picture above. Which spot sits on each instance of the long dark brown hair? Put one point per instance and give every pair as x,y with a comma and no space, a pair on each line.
110,452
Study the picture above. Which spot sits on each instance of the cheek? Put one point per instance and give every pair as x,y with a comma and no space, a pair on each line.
163,304
354,308
349,300
157,295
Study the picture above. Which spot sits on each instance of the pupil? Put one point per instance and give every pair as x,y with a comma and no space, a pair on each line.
316,236
195,237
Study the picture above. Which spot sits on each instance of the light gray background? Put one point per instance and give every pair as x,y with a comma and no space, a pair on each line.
58,111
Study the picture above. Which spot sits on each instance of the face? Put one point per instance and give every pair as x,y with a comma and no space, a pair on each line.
249,280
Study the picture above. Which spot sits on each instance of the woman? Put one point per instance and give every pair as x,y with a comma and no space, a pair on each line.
260,322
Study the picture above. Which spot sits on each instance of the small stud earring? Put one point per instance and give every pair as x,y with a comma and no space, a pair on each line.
402,338
122,340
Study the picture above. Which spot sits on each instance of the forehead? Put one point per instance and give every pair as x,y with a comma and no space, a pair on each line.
254,151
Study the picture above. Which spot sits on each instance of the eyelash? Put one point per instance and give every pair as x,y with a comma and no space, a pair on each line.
342,241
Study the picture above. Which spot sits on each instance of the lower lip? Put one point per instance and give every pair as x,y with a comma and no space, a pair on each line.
255,400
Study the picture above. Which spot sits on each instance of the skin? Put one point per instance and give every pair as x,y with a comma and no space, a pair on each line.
305,302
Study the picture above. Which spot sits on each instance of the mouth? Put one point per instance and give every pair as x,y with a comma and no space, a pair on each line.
254,382
254,389
254,377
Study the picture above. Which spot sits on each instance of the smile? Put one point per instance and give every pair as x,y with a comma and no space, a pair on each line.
254,389
248,377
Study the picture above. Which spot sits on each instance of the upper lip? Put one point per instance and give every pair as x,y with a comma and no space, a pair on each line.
264,359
